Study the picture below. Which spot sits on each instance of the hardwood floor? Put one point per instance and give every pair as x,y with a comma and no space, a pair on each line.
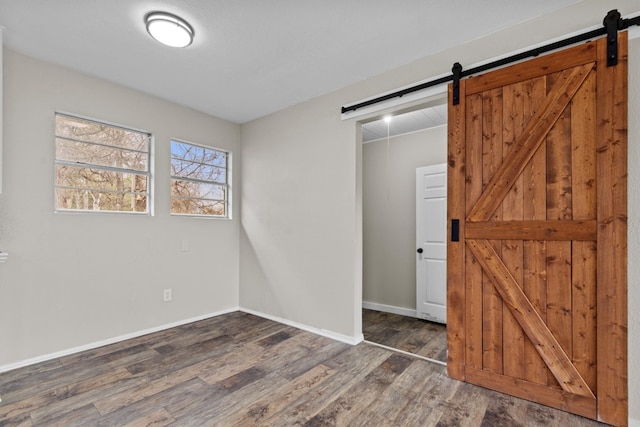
417,336
242,370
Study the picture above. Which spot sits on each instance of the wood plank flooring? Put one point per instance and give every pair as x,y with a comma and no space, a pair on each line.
417,336
242,370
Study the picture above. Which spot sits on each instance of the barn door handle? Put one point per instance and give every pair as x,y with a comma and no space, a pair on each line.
419,250
456,70
455,230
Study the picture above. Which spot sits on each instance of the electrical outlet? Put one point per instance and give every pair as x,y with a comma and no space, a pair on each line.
185,245
166,295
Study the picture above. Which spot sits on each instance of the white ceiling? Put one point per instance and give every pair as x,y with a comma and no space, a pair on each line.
400,124
252,57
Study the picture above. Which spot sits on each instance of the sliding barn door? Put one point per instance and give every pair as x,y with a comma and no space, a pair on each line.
537,279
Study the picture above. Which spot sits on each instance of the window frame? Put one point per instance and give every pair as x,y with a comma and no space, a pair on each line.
148,173
227,184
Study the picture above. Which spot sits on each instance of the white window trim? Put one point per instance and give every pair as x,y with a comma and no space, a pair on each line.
149,173
229,184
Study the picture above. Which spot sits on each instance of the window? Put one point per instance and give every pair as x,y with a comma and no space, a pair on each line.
199,181
100,167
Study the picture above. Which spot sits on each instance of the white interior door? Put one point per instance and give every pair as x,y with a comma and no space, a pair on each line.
431,239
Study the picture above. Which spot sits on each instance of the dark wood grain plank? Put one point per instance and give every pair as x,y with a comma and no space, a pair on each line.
157,418
361,396
70,397
417,336
269,406
468,407
303,379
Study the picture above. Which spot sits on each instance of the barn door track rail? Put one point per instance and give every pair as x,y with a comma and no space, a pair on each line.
612,23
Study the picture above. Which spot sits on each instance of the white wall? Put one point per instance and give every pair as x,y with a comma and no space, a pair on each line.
74,279
300,245
389,213
1,115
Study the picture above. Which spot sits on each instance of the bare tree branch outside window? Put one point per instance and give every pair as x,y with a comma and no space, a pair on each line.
199,184
100,167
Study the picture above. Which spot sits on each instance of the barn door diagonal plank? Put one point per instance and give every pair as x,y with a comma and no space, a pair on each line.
531,323
526,145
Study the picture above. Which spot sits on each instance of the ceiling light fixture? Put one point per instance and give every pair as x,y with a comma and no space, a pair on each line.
169,29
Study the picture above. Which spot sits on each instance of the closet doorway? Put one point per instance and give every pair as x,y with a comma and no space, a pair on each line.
392,151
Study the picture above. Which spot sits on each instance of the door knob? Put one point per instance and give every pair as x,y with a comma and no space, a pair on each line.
419,250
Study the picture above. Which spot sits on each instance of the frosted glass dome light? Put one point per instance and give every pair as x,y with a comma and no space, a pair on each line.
169,29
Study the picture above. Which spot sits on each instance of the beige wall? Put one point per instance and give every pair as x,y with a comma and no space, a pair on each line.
75,279
1,104
389,213
300,218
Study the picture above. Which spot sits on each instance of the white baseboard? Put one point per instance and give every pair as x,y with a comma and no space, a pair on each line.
389,309
634,423
323,332
62,353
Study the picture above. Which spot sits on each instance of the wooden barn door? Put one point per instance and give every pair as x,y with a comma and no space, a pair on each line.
537,182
